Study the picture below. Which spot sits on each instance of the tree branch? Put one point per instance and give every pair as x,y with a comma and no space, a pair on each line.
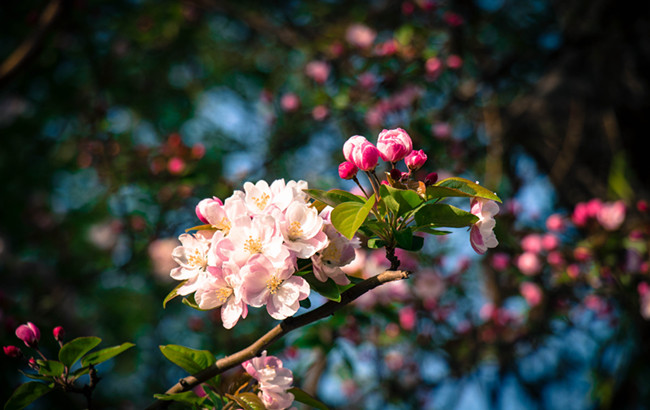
279,331
29,48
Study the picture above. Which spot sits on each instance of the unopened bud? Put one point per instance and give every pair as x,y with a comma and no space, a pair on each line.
431,179
58,333
29,334
395,174
347,170
12,351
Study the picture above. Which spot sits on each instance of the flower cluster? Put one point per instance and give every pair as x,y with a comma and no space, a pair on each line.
247,252
273,379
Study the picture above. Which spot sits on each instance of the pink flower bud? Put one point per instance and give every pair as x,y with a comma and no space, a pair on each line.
361,153
415,160
431,179
175,165
58,333
200,209
12,351
395,174
394,145
347,170
556,223
29,334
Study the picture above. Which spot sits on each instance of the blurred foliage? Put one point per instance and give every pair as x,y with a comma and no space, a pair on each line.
122,115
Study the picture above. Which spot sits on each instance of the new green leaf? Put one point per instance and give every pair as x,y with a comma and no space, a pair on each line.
328,289
348,217
443,215
190,360
459,187
333,197
305,398
50,367
75,349
104,354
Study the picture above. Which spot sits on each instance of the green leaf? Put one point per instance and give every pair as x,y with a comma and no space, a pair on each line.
400,201
348,217
188,397
75,349
171,295
105,354
190,360
217,400
305,398
376,243
430,230
25,394
406,240
333,197
328,289
247,401
444,215
50,367
459,187
36,376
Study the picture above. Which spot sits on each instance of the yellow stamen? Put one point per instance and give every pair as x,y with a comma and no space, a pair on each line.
253,245
223,294
273,284
262,201
295,230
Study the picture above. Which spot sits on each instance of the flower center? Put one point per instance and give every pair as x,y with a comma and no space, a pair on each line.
331,254
261,201
223,225
273,284
223,294
253,245
196,259
295,230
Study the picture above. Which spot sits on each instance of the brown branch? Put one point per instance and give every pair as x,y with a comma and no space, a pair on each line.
29,48
279,331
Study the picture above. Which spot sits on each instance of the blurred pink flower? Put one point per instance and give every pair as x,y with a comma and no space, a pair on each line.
367,80
175,165
528,263
433,67
532,243
556,223
611,215
500,261
290,102
441,130
359,35
407,318
318,71
550,242
454,62
320,112
531,292
555,258
453,19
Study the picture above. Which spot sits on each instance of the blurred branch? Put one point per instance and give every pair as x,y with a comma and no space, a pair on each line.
29,48
286,326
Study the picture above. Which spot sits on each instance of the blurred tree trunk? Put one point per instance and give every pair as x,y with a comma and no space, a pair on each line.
589,114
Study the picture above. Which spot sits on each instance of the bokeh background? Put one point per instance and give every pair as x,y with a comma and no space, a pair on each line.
117,117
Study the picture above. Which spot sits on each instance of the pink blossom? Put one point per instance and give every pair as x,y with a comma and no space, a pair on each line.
407,318
257,235
387,48
367,80
360,35
500,261
290,102
528,263
192,256
531,292
415,160
433,67
593,207
273,286
573,271
454,62
441,130
302,230
223,288
428,285
394,145
532,243
580,214
176,165
555,258
319,113
481,233
347,170
550,242
453,19
581,254
29,334
611,215
318,71
555,223
274,381
359,151
160,253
